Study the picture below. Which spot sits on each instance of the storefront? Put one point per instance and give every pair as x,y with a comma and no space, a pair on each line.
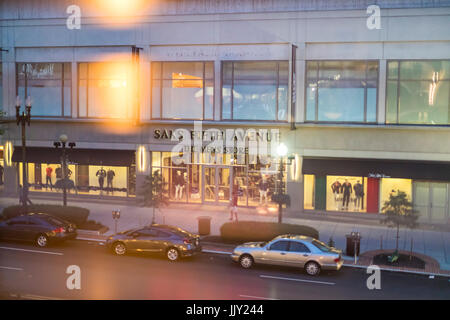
212,178
350,185
90,171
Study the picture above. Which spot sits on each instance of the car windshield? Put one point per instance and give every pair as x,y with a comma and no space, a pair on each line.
322,246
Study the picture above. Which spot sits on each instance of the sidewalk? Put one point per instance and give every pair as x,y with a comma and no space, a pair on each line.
435,244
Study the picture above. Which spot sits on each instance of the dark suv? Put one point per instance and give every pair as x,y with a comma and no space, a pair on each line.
171,241
39,228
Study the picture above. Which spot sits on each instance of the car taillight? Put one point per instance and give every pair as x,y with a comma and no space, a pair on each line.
59,230
187,241
337,259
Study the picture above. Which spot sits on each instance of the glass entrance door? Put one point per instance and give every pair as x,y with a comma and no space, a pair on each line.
431,200
439,202
216,184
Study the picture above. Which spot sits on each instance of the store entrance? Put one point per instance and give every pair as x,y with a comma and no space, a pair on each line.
216,184
431,200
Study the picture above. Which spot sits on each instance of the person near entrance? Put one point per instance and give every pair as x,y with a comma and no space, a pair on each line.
346,189
179,185
263,189
234,203
48,177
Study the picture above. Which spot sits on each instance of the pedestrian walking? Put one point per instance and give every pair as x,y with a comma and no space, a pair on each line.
233,204
25,199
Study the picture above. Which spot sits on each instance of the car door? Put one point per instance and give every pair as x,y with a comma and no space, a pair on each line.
16,229
275,252
148,240
298,254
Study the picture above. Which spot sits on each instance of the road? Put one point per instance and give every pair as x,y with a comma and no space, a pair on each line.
37,273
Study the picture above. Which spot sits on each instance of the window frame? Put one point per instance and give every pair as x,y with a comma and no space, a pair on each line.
161,79
279,241
397,81
316,104
289,89
307,249
17,63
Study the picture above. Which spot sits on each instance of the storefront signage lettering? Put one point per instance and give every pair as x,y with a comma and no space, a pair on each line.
212,135
377,175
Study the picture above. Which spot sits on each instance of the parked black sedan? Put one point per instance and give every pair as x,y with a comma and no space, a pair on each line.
39,228
171,241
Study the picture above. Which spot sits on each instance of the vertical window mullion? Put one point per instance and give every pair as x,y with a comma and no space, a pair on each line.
62,89
204,92
277,88
161,83
365,91
398,93
87,89
232,90
316,104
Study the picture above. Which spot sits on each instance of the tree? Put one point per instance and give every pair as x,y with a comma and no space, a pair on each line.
399,212
152,192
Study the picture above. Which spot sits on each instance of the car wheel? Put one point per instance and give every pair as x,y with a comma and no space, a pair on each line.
42,240
119,249
173,254
246,261
312,268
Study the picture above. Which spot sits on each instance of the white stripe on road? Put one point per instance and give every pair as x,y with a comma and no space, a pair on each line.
11,268
215,251
35,251
299,280
254,297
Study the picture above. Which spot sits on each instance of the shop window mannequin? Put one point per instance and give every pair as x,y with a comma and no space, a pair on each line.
48,177
101,174
346,189
336,189
109,180
263,189
179,185
359,193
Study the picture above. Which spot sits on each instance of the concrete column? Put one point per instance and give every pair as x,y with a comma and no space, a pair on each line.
10,181
217,88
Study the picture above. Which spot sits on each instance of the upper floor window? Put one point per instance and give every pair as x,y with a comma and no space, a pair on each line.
183,90
255,90
418,92
341,91
1,88
105,90
49,85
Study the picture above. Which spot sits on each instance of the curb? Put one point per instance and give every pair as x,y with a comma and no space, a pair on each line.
345,264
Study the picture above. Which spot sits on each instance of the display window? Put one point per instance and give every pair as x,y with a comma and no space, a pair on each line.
212,178
83,179
392,185
308,191
346,193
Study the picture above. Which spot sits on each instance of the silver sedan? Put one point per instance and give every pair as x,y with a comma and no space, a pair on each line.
290,250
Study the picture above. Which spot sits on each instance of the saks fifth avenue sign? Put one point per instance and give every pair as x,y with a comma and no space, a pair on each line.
256,143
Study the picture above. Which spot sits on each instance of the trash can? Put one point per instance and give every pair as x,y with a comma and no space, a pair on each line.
352,239
204,225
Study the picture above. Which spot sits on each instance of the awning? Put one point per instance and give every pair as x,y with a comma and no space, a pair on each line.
105,157
427,170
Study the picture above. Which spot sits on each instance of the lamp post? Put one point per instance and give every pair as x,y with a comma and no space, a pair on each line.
281,198
62,143
23,119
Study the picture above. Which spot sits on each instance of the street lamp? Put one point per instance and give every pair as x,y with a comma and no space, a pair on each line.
23,119
62,143
280,197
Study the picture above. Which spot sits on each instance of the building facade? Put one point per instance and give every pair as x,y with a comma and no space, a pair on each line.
192,88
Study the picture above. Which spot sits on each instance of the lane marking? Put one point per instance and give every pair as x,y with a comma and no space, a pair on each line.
33,297
35,251
254,297
219,252
11,268
299,280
